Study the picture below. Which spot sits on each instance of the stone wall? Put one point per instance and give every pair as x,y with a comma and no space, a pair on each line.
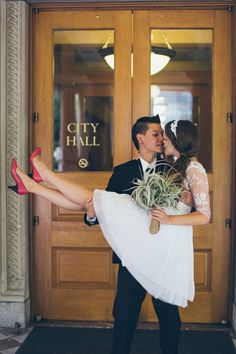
14,278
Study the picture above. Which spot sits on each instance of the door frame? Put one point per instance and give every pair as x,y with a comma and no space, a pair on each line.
134,5
98,5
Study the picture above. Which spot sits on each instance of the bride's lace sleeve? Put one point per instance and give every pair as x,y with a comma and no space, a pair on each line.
198,184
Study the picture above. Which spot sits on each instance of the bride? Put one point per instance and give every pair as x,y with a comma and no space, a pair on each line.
161,263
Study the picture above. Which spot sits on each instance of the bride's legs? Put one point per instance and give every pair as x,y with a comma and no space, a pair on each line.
70,190
50,194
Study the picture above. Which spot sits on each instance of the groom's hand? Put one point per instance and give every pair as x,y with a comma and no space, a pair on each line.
89,207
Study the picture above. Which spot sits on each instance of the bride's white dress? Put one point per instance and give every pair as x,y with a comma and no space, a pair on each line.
161,263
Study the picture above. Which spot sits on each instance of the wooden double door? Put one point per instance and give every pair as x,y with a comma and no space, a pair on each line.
85,111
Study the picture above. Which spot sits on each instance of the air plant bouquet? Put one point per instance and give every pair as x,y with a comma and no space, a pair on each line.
157,190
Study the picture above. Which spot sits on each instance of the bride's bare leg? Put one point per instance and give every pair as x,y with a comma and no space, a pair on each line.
70,190
50,194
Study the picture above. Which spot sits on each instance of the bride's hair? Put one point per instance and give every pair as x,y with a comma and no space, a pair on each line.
184,136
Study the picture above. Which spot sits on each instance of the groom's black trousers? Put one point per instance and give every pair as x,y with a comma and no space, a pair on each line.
127,306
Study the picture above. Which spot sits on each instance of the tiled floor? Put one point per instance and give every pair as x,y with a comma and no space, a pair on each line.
11,338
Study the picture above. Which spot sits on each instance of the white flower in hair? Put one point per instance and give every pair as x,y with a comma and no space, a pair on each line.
173,127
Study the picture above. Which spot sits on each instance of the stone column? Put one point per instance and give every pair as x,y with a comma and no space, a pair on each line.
14,272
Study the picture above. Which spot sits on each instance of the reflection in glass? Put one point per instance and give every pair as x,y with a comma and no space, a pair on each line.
83,102
183,89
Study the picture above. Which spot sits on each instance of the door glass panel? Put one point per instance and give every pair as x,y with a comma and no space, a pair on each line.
83,101
183,88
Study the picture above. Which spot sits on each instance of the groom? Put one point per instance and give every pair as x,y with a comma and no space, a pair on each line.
147,136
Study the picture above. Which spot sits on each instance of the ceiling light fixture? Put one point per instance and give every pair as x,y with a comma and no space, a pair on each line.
160,56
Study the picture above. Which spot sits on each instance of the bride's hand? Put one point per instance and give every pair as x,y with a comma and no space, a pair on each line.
160,215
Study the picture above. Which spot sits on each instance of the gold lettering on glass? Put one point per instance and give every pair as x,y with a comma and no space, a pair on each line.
82,129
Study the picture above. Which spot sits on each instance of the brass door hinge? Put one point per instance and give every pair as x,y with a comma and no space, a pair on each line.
35,10
36,220
35,117
228,223
230,117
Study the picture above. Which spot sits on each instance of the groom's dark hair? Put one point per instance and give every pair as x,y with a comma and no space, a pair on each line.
141,126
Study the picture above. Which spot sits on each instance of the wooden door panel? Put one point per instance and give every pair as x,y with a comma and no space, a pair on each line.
211,242
77,279
182,19
80,304
77,267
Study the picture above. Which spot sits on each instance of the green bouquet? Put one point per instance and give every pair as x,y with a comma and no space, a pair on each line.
158,190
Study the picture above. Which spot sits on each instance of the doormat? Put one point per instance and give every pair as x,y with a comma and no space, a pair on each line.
65,340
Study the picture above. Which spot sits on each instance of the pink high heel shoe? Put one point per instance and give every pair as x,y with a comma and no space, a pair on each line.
19,188
35,174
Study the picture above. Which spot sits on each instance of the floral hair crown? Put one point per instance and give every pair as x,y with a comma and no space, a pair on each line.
173,127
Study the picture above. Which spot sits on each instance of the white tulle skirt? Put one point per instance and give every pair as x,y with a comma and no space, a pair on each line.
161,263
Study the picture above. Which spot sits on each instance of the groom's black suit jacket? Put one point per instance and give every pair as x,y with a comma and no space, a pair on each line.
122,180
130,294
